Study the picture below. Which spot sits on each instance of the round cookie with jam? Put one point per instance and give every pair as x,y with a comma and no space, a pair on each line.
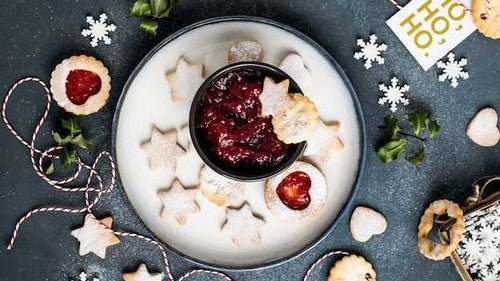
80,85
298,193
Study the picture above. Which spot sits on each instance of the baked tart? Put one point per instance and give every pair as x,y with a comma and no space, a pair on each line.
80,84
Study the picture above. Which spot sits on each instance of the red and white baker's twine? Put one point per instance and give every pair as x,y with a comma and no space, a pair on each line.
89,204
87,190
396,4
322,260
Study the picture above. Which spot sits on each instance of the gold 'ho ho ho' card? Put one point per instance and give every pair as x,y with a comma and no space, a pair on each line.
429,29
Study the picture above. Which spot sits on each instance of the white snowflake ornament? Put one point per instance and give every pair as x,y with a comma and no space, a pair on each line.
452,70
394,94
370,51
98,30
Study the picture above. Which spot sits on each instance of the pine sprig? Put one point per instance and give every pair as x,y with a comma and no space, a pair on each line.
397,143
70,139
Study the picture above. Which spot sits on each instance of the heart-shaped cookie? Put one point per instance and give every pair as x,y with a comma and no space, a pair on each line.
483,128
365,223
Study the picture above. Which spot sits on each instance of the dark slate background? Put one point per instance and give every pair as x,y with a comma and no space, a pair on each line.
36,35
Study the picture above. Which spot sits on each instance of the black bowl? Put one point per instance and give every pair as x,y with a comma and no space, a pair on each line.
202,145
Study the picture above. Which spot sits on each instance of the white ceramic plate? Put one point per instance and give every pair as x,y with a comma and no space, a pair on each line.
146,102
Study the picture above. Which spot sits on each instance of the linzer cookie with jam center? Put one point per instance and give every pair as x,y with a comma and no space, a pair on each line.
80,85
298,193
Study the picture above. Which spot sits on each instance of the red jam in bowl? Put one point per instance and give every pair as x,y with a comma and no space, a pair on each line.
229,118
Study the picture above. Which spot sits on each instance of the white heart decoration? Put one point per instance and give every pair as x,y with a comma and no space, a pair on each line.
365,223
483,128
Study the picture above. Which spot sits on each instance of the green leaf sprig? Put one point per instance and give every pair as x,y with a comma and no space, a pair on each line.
397,143
150,11
70,139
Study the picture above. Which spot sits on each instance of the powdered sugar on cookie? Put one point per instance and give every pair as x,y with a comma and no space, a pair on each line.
94,236
298,121
221,190
184,138
188,166
274,97
178,202
185,81
162,150
325,141
317,192
244,51
483,129
242,226
365,223
73,88
293,65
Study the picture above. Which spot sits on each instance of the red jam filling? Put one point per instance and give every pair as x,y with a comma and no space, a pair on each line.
81,84
293,190
229,117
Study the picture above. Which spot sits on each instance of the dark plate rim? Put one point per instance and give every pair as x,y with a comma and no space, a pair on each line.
359,115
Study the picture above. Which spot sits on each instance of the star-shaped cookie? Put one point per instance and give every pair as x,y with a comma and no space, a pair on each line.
221,190
184,138
274,97
242,226
178,202
142,274
185,81
293,65
162,150
189,165
95,237
324,141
